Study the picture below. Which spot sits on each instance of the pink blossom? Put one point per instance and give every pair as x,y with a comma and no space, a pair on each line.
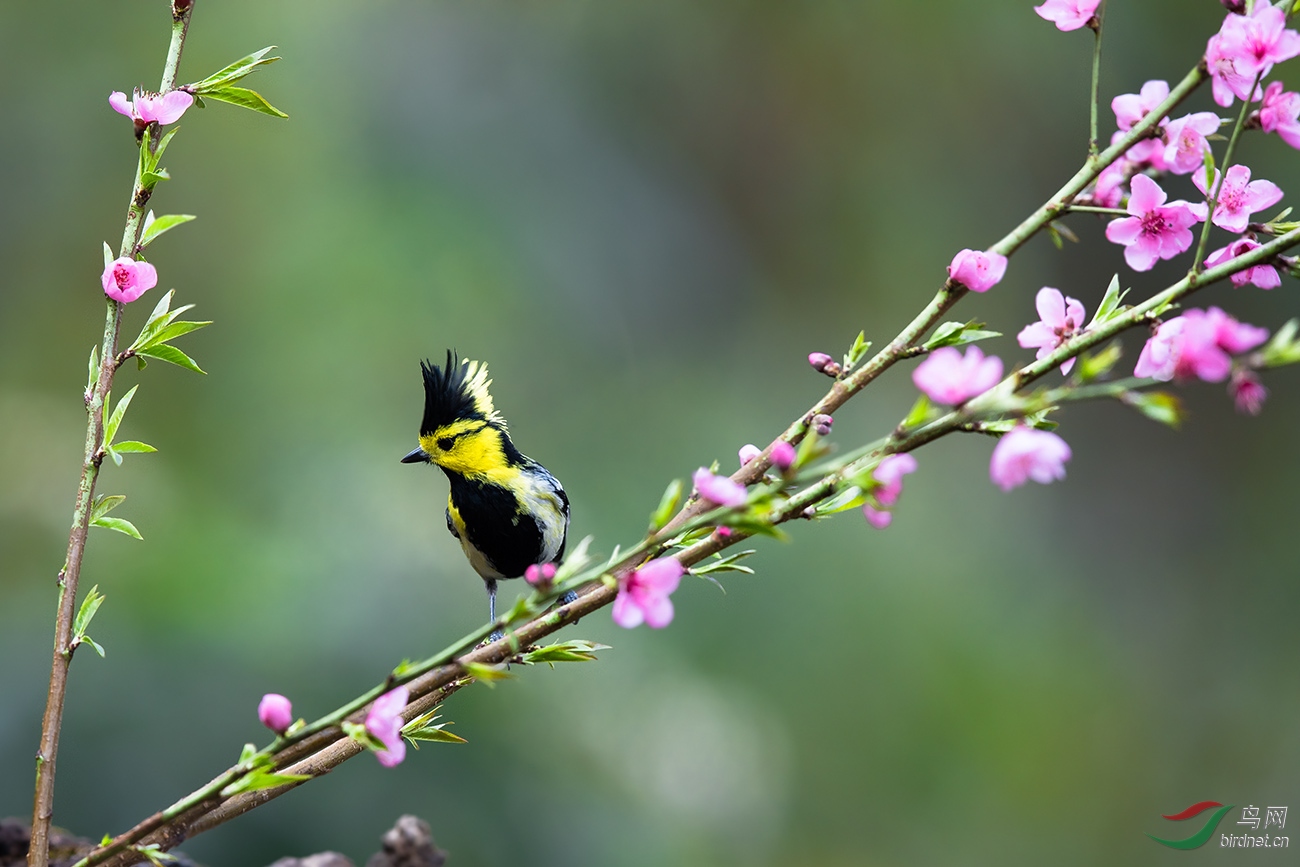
1230,71
1187,147
889,473
1109,189
949,377
976,270
1256,42
275,712
1280,113
151,107
1060,318
1264,275
385,722
539,573
782,455
126,279
1130,108
1068,14
1239,196
748,452
1025,453
722,532
718,489
643,595
1155,230
1199,344
1248,393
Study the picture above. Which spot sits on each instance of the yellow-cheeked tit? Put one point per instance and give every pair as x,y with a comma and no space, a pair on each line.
508,512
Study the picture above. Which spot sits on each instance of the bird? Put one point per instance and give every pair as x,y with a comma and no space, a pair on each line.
506,509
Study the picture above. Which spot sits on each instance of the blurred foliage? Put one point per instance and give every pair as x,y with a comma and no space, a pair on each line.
643,215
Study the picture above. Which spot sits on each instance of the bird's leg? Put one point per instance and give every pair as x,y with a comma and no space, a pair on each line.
491,583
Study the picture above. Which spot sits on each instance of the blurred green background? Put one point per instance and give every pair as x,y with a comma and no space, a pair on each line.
644,214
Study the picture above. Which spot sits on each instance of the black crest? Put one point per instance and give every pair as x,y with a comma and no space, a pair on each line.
456,391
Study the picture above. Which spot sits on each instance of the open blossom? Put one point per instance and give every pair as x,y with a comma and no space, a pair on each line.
1068,14
1239,196
949,377
889,473
718,489
275,712
1130,108
126,279
150,108
1025,453
976,270
1264,275
1155,230
1199,344
385,722
1247,46
643,595
1280,113
1187,145
1248,393
1060,318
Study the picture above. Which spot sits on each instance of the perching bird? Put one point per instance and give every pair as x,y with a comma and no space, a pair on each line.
508,512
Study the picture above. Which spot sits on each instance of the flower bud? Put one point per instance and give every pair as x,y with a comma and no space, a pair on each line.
823,363
276,712
722,532
1235,6
783,455
822,424
1247,392
748,452
540,574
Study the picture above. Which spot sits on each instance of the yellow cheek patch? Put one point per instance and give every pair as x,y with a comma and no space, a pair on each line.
476,450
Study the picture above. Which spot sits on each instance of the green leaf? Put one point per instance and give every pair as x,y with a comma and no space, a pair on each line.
149,180
850,498
488,674
115,420
245,98
857,351
575,562
565,651
920,413
1054,233
247,753
105,504
434,734
121,525
756,527
234,72
362,735
1158,406
162,147
176,329
958,334
86,639
1093,365
723,564
92,368
1282,348
1109,307
154,228
86,613
133,447
255,781
109,258
171,355
1036,420
667,506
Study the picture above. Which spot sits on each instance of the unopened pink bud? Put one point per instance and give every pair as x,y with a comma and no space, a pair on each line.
539,573
748,452
783,455
822,424
723,532
276,712
823,363
1247,392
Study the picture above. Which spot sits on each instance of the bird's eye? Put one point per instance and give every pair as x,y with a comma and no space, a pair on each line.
445,443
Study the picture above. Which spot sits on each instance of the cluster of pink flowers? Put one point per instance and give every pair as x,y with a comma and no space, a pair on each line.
951,378
1246,47
889,473
1197,345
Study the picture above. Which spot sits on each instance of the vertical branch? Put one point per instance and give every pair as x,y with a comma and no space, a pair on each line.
52,722
1096,75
